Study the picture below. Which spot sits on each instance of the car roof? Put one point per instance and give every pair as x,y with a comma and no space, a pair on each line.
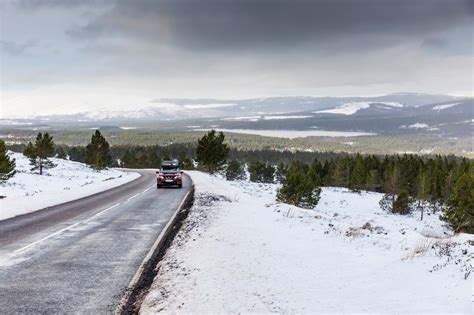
170,163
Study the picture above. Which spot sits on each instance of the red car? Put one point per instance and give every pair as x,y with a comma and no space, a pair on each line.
169,175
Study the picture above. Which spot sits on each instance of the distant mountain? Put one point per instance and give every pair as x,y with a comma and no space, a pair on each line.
452,118
398,113
174,109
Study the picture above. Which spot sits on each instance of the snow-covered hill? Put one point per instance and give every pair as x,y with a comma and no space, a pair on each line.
28,191
382,115
240,251
177,108
353,107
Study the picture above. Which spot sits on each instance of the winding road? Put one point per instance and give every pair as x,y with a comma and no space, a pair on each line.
79,257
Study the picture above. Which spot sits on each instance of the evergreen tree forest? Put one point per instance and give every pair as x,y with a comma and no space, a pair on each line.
419,181
432,178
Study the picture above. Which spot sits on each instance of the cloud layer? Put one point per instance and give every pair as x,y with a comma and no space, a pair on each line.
236,48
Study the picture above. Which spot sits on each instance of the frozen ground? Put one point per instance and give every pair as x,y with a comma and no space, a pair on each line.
27,191
240,251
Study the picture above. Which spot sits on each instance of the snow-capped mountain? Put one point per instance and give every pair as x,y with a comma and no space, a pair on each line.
174,109
438,114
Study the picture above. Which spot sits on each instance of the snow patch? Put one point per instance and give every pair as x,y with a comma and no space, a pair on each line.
208,106
346,109
28,191
392,104
441,107
284,117
292,134
415,126
243,118
353,107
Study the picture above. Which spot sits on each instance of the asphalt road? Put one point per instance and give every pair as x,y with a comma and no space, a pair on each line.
80,256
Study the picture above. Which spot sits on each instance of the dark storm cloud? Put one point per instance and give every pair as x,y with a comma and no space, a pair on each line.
256,24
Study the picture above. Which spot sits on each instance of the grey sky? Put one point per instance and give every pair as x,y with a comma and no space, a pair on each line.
74,55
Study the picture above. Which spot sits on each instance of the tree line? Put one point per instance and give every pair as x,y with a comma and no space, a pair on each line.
406,180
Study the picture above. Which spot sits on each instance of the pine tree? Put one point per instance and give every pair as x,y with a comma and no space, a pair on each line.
261,172
402,204
299,188
358,174
422,192
98,152
460,210
77,154
185,162
7,164
392,175
234,170
373,181
211,151
340,174
60,154
129,159
40,152
281,172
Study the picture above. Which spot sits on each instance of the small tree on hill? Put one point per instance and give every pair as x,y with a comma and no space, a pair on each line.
98,152
300,187
129,159
401,205
211,151
460,210
234,170
60,153
40,152
7,164
422,192
185,162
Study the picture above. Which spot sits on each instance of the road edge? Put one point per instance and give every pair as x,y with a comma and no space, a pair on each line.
143,278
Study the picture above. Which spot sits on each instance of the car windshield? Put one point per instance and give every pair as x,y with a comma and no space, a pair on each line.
169,169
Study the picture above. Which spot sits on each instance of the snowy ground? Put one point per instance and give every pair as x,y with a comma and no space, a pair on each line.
292,134
27,191
240,251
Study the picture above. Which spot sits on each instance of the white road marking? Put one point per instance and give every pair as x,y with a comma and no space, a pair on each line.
64,229
148,189
136,195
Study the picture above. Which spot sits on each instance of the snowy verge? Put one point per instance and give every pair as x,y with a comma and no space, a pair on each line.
28,191
240,251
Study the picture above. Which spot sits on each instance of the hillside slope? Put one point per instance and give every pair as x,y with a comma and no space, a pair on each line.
240,251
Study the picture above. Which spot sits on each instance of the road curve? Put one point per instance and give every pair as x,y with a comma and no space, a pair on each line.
79,257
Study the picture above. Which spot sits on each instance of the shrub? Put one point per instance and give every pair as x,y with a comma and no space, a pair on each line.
234,170
401,205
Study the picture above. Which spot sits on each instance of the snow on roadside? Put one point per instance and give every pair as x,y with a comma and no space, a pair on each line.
28,191
240,251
